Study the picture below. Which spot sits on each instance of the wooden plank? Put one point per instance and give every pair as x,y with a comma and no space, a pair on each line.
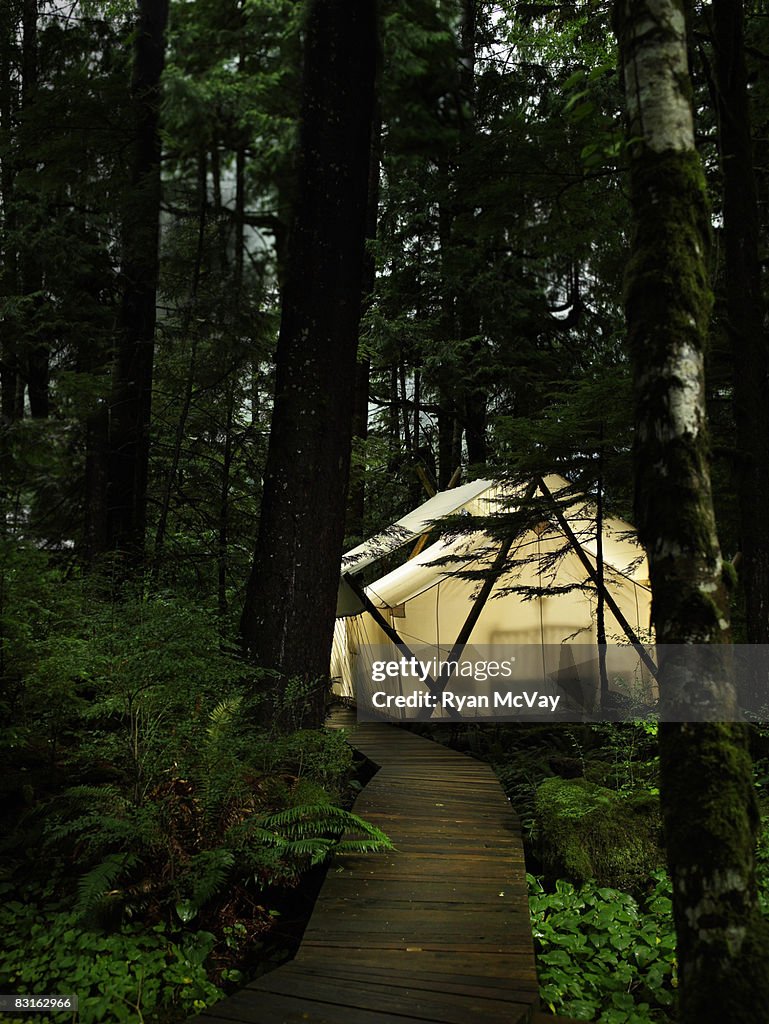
255,1007
419,1003
477,935
511,966
343,889
454,984
416,943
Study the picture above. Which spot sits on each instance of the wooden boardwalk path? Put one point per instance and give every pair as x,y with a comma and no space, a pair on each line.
437,930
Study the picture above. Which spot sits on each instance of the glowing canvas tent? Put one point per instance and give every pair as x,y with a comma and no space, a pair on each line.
545,593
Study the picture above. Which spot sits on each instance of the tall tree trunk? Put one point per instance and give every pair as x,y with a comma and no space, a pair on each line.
95,484
169,484
707,797
447,447
447,387
474,410
356,504
288,618
403,404
131,399
600,615
36,354
223,526
11,396
745,310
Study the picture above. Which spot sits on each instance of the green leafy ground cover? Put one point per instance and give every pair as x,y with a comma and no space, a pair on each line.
133,974
602,955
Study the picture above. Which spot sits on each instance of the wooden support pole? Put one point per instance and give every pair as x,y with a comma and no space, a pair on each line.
597,581
484,593
390,631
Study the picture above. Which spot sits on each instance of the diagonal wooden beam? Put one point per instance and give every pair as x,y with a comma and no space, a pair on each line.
630,633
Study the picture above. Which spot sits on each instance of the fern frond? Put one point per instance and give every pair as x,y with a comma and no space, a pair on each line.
316,819
102,878
88,795
362,846
222,716
302,819
210,871
314,850
55,832
92,832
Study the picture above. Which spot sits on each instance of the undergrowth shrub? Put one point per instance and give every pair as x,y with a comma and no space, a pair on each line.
588,831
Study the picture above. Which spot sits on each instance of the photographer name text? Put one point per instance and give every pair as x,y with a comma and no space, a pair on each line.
471,702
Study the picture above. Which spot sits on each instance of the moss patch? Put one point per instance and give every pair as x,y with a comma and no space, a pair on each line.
588,831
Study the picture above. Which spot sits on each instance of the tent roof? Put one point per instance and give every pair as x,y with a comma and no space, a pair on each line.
621,550
424,571
442,504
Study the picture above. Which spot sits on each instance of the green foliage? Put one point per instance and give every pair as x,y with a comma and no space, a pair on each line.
135,771
204,821
625,757
33,608
762,865
128,975
94,686
277,847
601,956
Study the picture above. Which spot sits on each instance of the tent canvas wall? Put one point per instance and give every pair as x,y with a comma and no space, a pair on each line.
544,595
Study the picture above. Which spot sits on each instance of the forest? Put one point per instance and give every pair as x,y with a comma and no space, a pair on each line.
272,273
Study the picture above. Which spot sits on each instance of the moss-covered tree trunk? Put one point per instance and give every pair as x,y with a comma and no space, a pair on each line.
288,618
707,796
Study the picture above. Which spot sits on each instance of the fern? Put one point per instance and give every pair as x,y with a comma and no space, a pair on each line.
88,795
307,834
315,819
222,717
94,832
107,823
97,882
209,872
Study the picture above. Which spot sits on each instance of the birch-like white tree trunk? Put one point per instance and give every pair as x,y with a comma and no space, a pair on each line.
708,802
